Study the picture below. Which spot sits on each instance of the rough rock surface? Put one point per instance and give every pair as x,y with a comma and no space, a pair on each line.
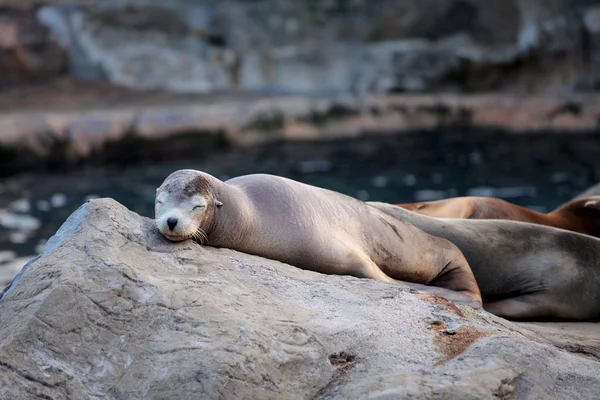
110,309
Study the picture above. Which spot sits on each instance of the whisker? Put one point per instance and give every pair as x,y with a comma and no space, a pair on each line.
203,235
197,236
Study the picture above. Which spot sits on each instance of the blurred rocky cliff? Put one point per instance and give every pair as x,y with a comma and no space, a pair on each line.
305,46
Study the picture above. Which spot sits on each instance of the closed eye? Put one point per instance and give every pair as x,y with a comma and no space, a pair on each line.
158,202
201,206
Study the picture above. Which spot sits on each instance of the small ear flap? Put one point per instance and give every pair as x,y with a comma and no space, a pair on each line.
218,203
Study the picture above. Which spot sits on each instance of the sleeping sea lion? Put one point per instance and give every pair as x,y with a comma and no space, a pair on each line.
579,215
310,228
524,270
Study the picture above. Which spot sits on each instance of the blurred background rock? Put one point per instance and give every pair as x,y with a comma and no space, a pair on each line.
394,100
305,46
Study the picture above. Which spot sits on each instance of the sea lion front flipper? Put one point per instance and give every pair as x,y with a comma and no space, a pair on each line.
455,281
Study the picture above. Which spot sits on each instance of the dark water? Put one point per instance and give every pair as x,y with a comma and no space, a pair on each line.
534,170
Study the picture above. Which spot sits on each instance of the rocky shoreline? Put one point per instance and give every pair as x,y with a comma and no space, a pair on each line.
200,124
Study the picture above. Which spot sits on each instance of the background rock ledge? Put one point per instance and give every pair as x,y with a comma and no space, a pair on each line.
112,310
140,126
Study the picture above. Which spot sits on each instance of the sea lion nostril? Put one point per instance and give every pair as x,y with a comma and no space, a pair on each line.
172,222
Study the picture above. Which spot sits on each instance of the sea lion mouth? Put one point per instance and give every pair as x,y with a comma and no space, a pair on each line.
176,238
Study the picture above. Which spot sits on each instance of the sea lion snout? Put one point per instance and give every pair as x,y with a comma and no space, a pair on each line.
176,225
172,223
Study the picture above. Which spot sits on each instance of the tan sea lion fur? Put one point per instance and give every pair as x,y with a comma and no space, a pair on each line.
310,228
524,270
579,215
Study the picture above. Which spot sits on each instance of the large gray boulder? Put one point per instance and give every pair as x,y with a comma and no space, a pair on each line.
112,310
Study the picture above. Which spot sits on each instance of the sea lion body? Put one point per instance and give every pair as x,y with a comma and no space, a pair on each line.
579,215
308,227
524,270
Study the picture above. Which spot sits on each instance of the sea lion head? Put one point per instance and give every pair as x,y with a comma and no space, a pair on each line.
185,205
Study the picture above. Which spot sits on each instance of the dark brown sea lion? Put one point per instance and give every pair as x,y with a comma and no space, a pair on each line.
579,215
524,270
310,228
